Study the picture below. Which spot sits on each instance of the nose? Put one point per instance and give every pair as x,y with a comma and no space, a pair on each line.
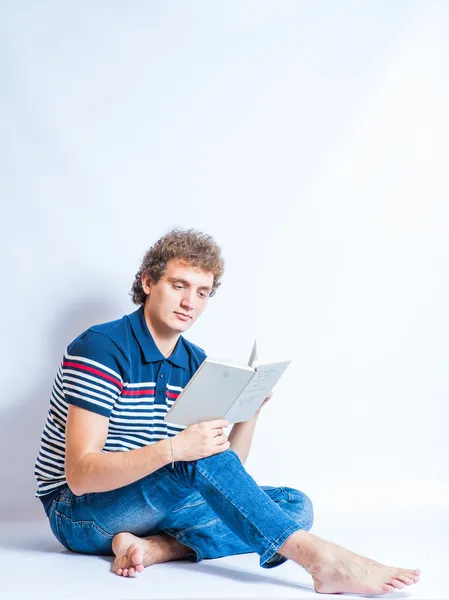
187,299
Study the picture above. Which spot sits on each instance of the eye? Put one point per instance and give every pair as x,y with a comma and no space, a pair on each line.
179,287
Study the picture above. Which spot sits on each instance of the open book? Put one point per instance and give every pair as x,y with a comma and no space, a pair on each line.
225,390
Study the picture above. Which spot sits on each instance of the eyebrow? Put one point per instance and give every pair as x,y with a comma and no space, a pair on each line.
187,284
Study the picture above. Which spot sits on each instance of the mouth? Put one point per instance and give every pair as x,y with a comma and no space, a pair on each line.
182,316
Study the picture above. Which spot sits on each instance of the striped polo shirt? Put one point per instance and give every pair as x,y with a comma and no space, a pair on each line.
115,370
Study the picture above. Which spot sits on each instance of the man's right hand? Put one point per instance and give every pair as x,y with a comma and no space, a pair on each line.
201,440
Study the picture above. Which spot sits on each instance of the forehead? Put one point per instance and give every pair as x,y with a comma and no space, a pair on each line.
176,268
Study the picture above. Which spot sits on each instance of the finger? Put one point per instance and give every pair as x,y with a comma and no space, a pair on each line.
216,433
217,424
219,441
221,448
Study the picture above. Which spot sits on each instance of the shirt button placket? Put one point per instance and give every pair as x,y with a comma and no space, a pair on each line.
160,386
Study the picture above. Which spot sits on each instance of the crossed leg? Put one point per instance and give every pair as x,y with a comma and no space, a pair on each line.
196,522
333,568
90,523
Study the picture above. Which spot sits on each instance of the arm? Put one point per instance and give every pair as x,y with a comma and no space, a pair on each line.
90,403
241,435
88,469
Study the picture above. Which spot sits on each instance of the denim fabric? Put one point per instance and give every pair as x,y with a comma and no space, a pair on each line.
212,505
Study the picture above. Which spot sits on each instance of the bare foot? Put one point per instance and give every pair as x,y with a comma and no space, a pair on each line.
133,554
335,569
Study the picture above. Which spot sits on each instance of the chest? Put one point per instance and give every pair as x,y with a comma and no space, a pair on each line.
146,398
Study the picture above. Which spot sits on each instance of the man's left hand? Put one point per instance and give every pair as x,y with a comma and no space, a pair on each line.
270,395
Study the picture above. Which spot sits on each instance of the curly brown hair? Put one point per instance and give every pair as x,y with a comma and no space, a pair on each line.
195,248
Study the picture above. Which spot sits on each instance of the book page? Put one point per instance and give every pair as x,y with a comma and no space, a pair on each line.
265,378
253,356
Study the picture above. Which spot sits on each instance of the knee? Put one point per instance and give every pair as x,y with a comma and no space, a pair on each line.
223,461
227,457
303,509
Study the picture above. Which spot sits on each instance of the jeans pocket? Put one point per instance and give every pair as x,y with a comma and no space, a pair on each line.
55,520
85,537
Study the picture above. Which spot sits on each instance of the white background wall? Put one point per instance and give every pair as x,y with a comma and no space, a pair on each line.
311,139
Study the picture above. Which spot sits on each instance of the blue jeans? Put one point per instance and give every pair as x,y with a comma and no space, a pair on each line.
211,505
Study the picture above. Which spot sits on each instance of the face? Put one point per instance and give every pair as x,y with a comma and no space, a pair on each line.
176,301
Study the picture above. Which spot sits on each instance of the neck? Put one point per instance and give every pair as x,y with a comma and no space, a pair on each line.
164,339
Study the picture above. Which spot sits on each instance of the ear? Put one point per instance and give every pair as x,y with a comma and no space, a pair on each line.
147,283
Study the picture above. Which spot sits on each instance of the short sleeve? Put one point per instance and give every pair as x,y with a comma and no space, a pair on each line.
92,373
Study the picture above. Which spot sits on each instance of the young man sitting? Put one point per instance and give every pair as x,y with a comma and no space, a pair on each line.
114,477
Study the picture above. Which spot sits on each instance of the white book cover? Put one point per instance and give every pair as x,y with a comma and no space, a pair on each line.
222,389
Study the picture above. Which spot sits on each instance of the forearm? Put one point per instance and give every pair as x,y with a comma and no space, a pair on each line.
105,471
241,437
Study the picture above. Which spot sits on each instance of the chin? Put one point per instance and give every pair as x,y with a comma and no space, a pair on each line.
178,325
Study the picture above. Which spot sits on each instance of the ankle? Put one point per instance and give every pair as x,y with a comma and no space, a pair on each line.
165,548
301,548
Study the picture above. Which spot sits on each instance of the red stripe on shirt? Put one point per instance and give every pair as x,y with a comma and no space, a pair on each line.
172,395
138,392
67,363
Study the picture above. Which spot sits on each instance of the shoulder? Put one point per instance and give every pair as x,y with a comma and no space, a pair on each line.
197,353
103,344
116,330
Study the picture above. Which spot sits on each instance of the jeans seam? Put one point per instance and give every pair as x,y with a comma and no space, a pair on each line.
61,538
272,550
84,522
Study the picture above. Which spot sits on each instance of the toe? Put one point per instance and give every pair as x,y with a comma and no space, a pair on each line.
412,574
137,556
397,584
405,579
388,588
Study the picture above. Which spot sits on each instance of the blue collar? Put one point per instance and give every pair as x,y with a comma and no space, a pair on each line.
179,356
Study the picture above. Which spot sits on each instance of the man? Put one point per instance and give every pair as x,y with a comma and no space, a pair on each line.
115,478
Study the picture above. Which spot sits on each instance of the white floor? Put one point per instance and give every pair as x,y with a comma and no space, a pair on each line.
34,565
